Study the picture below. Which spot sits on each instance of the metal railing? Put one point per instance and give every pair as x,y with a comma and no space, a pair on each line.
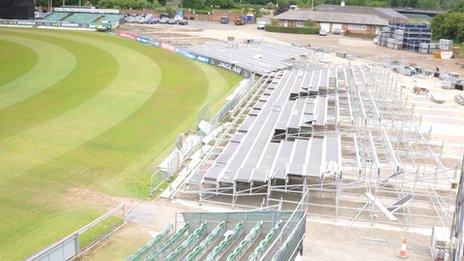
72,246
291,235
173,162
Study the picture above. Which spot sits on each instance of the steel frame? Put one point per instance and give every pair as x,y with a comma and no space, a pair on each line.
383,155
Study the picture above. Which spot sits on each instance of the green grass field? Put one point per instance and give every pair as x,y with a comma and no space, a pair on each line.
85,114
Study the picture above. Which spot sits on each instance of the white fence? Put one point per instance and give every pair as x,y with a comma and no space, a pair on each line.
69,247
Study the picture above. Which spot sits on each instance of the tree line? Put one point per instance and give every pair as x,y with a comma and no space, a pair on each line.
118,4
420,4
201,4
450,25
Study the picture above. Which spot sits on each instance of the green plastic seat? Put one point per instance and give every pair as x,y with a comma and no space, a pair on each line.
246,242
198,251
263,245
228,239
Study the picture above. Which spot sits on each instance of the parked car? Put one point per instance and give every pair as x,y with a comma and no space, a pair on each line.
261,25
139,19
183,22
171,21
376,40
163,15
322,32
224,19
164,20
152,20
337,31
178,18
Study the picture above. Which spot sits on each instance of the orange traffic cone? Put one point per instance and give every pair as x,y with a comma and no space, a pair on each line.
403,253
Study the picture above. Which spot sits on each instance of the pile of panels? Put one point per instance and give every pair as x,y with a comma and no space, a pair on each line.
391,38
258,57
445,45
412,37
278,139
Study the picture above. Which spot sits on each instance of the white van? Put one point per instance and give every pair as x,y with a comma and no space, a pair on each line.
261,25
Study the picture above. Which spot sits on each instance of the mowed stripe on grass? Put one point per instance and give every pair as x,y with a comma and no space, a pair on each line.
114,161
94,70
16,60
54,63
137,79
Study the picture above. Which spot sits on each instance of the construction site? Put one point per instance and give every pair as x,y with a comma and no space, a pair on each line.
338,136
314,147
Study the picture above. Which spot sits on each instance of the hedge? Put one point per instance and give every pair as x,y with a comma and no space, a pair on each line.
292,30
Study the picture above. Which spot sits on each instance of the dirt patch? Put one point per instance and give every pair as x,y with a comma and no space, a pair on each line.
89,197
334,242
121,244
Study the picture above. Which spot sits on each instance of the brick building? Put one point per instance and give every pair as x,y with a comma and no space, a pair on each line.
352,19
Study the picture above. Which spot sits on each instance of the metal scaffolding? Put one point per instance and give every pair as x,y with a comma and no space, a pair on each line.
373,164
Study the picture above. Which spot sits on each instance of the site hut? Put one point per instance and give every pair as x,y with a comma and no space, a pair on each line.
347,19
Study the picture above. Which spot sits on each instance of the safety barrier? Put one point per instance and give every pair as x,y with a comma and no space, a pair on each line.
290,238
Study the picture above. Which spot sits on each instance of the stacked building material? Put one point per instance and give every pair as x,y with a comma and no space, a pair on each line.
445,45
384,34
398,39
391,38
406,36
433,47
414,35
390,42
424,47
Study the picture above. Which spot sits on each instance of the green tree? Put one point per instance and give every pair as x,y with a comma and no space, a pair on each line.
127,4
459,7
220,3
449,26
310,24
43,3
194,4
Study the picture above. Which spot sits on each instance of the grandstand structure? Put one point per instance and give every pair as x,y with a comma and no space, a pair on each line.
251,235
343,132
256,56
83,16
